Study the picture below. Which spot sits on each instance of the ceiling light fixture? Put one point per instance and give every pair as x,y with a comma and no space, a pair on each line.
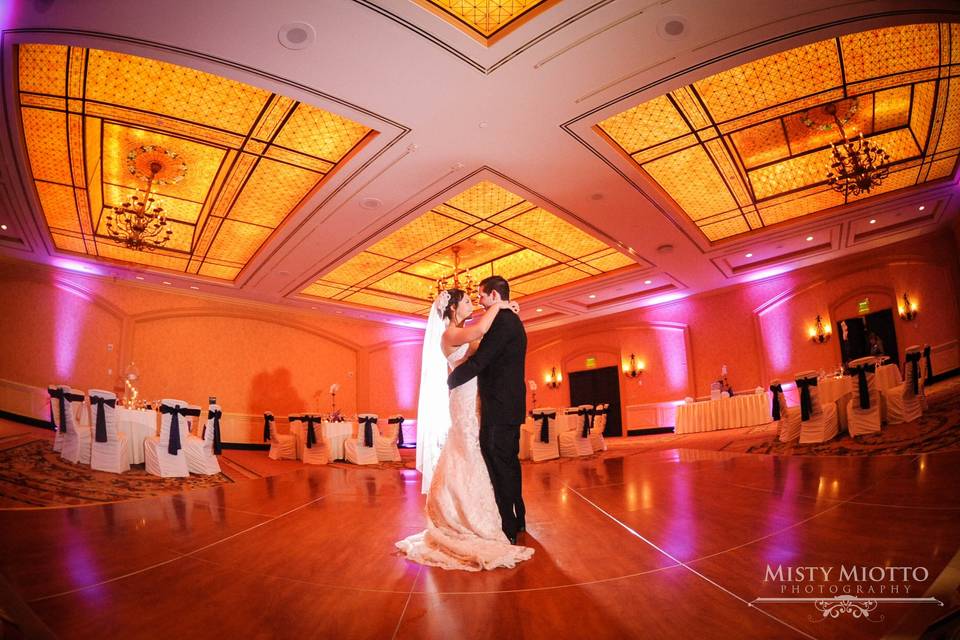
459,279
921,208
297,35
139,277
858,166
592,296
165,282
809,238
539,310
748,255
195,288
3,227
648,282
873,221
140,224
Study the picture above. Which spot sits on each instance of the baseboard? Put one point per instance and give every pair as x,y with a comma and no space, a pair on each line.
943,376
246,446
649,432
33,422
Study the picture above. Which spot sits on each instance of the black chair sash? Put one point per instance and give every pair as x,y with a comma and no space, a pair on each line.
67,397
368,423
311,432
545,419
175,412
862,388
399,422
101,433
215,416
806,401
267,419
870,368
585,431
926,356
777,389
58,394
914,359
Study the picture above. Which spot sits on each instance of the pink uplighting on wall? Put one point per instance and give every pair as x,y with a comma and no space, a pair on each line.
673,346
68,317
78,267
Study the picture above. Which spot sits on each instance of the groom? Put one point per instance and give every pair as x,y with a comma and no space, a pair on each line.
498,365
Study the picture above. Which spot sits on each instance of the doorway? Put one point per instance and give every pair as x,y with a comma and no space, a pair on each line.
867,335
599,386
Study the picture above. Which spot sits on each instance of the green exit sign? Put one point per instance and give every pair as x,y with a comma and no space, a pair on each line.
590,363
863,306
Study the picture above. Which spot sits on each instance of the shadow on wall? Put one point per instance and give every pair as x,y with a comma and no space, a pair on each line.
274,391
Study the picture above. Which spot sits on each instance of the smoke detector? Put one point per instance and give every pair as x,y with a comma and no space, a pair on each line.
297,35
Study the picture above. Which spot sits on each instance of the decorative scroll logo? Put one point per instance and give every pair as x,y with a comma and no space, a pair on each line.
852,591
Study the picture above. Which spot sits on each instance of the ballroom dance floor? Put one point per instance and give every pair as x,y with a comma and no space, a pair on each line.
655,544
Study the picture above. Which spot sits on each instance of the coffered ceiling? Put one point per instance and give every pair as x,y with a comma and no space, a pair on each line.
602,154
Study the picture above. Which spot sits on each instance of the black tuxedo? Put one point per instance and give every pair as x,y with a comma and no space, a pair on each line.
499,366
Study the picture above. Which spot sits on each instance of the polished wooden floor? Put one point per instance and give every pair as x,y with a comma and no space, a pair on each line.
661,544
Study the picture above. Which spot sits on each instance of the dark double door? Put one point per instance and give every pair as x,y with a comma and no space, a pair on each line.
598,386
868,334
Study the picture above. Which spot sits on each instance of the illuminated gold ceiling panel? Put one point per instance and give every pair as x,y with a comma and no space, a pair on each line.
251,156
486,20
495,232
747,148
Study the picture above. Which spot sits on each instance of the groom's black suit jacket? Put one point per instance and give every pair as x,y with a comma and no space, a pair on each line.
499,366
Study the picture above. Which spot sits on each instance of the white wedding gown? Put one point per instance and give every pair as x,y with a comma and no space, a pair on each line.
463,523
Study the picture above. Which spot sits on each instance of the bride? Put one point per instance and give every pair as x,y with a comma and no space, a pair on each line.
463,523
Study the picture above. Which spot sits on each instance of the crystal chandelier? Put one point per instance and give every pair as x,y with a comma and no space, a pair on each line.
858,165
140,223
459,279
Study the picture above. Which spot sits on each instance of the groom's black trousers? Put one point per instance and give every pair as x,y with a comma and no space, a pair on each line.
500,446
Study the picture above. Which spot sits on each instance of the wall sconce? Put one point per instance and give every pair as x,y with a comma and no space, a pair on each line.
819,333
634,368
554,378
908,310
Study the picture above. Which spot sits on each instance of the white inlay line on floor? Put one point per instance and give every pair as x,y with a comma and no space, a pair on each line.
406,603
685,566
179,556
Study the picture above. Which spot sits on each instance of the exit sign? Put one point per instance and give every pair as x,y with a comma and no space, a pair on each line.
590,363
863,306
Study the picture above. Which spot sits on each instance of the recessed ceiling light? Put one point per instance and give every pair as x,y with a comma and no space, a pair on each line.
873,221
672,28
483,124
665,248
370,203
648,282
313,307
596,196
592,296
195,288
748,255
3,227
539,310
340,312
921,208
165,282
297,35
139,277
809,238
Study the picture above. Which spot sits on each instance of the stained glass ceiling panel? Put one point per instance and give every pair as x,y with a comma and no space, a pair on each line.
251,156
493,230
486,20
746,148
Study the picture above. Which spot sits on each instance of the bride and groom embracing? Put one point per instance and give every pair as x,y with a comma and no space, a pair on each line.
471,470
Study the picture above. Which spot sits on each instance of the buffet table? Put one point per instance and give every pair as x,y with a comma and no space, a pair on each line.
726,413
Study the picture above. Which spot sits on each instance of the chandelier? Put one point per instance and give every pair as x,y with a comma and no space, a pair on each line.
459,279
140,223
858,165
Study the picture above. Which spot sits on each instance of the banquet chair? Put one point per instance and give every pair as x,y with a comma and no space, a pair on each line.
863,411
818,422
926,370
282,445
786,417
386,443
57,410
110,450
313,447
541,435
164,455
598,424
203,448
77,437
575,441
362,449
903,400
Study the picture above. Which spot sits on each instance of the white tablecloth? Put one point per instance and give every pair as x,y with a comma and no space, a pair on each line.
334,434
833,389
725,413
137,425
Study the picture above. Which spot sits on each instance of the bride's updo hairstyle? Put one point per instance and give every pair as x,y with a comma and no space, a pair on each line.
456,295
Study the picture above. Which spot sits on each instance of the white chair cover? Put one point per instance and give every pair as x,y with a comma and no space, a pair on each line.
201,457
316,452
788,427
356,450
283,446
156,455
386,444
76,440
531,439
597,443
822,424
572,441
904,401
862,420
55,391
113,454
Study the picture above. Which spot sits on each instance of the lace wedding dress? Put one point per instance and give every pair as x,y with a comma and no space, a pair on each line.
463,523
